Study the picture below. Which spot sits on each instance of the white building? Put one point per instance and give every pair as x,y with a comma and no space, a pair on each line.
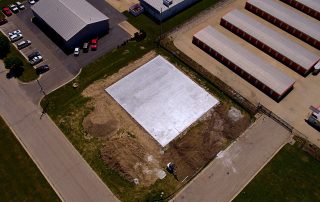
163,9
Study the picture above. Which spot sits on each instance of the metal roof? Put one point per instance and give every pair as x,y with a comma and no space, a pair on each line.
314,4
273,39
160,7
68,17
247,61
293,18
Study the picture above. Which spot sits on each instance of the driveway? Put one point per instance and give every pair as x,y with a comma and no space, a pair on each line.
234,167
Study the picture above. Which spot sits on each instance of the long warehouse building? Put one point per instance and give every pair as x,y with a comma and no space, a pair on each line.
71,22
287,19
309,7
259,73
271,42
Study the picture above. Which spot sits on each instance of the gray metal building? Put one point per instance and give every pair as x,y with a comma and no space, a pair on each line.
259,73
309,7
159,11
73,21
271,42
289,20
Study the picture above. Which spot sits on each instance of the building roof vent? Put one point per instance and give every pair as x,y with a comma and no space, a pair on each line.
167,2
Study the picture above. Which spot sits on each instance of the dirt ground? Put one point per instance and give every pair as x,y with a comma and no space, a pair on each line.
131,151
294,108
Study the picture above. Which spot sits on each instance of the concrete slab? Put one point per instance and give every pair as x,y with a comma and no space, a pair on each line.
122,5
161,99
129,28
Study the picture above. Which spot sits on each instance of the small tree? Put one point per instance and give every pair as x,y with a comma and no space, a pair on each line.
13,62
4,46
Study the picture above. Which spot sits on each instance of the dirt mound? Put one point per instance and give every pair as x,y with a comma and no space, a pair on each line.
125,154
100,122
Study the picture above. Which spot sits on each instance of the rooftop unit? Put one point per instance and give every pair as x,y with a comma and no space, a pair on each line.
167,2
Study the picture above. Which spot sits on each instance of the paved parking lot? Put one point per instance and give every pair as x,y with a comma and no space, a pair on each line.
63,67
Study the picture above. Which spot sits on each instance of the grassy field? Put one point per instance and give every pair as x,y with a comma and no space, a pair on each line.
20,178
29,73
292,175
67,107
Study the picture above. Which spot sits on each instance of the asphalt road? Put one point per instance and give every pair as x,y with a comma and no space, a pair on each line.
234,168
64,168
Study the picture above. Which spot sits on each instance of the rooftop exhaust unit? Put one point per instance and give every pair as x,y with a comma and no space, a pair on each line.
167,2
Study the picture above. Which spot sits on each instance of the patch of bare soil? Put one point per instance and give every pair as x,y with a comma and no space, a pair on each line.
204,140
131,151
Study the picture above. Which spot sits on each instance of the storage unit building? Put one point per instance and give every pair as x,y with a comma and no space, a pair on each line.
259,73
271,42
287,19
72,21
163,9
309,7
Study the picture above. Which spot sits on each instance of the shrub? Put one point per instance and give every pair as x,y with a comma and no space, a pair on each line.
4,46
13,62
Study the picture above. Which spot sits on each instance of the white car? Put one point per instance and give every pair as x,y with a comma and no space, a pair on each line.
16,37
23,44
76,51
14,8
18,31
32,2
20,5
36,60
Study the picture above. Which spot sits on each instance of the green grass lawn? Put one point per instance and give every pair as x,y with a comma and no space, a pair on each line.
20,179
292,175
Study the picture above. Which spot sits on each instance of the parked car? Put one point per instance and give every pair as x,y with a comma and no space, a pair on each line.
94,44
85,47
18,31
3,21
14,8
36,60
76,51
16,37
34,54
42,69
32,2
20,5
7,11
23,44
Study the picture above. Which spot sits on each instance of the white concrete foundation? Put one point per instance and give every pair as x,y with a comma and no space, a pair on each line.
161,99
